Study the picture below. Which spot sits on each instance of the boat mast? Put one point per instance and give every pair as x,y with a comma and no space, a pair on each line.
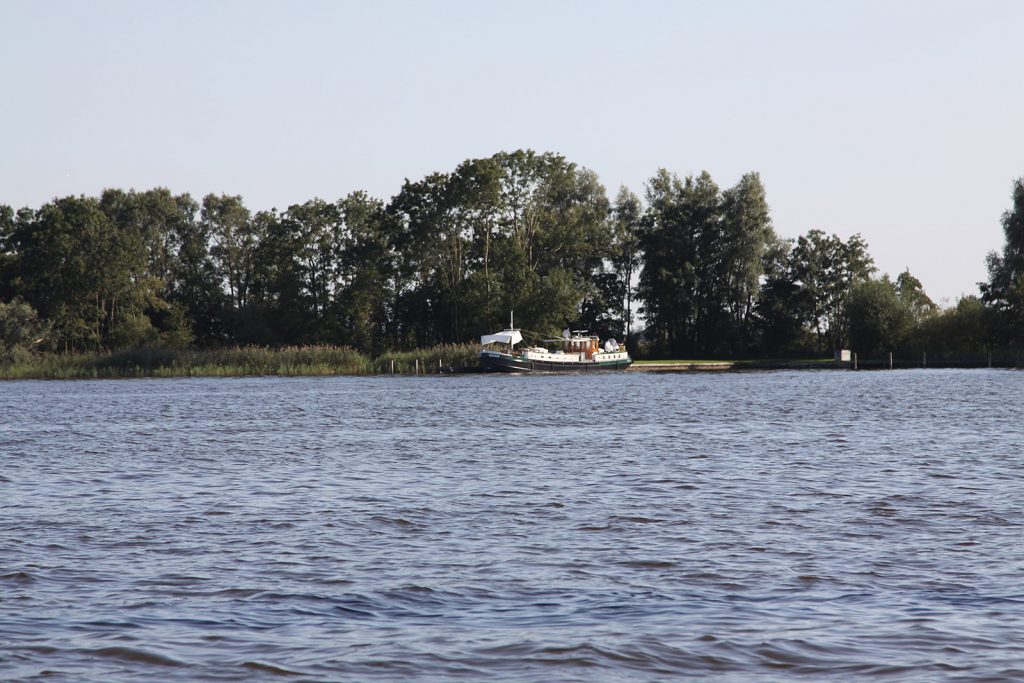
511,326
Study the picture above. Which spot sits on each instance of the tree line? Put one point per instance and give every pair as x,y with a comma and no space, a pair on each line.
690,269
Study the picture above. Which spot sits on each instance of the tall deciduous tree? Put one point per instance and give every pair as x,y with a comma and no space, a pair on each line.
782,304
234,241
553,239
1004,291
313,233
154,218
21,330
826,268
8,255
195,284
667,282
515,231
370,283
626,223
913,296
703,260
435,247
879,318
965,331
747,232
82,274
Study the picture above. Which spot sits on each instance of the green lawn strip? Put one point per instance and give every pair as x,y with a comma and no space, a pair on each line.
748,361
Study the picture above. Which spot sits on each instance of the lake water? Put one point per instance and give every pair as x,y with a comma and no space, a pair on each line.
769,526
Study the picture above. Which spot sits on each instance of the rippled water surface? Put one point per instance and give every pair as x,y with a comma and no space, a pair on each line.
821,526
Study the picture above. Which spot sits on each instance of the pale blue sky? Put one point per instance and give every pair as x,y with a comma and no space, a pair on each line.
898,120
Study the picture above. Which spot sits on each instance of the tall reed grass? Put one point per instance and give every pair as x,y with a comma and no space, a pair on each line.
290,361
437,359
228,362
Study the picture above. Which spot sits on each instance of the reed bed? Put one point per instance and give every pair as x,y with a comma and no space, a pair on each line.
48,366
444,358
290,361
227,362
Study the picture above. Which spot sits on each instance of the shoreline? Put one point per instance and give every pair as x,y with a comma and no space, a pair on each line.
870,364
412,366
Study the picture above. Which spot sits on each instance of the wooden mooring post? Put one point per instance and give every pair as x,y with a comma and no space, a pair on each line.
417,366
890,360
855,361
924,359
392,366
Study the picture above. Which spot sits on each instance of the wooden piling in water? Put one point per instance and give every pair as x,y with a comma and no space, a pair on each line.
890,360
854,361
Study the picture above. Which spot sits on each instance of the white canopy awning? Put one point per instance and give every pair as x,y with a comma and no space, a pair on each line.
506,337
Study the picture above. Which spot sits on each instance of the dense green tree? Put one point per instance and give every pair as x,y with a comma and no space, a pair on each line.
1004,291
274,311
747,233
703,261
552,239
153,219
781,310
581,245
477,185
879,317
371,288
195,285
627,221
434,243
21,331
311,275
826,268
702,207
149,217
83,274
234,240
913,296
517,231
8,256
668,282
962,331
306,246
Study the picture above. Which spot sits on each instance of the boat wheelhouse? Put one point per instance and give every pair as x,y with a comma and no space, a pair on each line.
575,351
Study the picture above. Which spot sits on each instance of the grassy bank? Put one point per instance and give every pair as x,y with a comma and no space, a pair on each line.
745,364
293,361
1004,360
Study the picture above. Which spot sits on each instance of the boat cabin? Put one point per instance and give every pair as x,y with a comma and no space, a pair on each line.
588,346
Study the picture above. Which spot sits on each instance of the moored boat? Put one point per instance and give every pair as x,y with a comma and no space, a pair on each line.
575,351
